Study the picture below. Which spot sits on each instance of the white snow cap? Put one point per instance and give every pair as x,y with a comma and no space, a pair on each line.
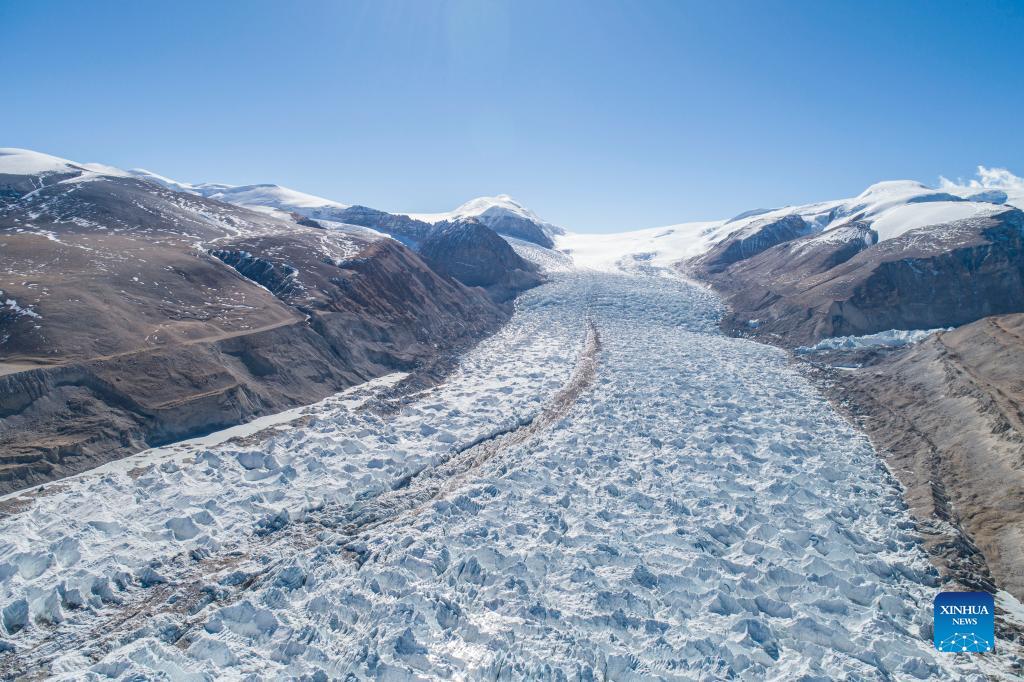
891,208
268,195
483,206
264,197
14,161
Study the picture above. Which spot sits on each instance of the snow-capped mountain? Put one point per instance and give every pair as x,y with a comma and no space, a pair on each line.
504,215
257,197
899,255
501,213
891,208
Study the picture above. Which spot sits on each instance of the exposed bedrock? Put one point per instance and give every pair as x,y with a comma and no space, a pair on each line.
408,230
841,282
749,241
477,257
519,227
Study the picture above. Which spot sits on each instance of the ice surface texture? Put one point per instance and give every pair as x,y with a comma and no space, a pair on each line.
697,511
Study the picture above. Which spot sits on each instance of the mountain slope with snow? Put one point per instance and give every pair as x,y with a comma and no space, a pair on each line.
501,213
14,161
133,314
891,207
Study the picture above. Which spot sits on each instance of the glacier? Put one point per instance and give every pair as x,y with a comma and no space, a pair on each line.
607,488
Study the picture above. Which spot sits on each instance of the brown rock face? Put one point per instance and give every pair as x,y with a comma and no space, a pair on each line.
143,316
753,239
475,255
948,413
841,283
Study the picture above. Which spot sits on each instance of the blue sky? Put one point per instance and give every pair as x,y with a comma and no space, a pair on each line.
601,116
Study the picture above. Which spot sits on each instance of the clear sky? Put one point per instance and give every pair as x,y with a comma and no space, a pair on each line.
601,116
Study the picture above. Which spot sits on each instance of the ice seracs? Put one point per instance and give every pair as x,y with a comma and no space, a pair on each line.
695,511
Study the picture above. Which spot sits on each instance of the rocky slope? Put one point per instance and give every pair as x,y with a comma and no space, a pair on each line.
753,239
136,315
790,284
949,413
842,283
478,257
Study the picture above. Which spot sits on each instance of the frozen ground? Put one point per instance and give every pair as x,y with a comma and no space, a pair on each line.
606,489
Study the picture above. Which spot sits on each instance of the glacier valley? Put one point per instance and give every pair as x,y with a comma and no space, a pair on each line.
607,488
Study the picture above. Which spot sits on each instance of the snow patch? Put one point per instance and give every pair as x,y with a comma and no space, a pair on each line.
283,198
901,219
20,311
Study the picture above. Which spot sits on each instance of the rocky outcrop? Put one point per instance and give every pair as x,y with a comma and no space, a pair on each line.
477,257
840,283
749,241
948,414
411,231
407,230
277,279
518,227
